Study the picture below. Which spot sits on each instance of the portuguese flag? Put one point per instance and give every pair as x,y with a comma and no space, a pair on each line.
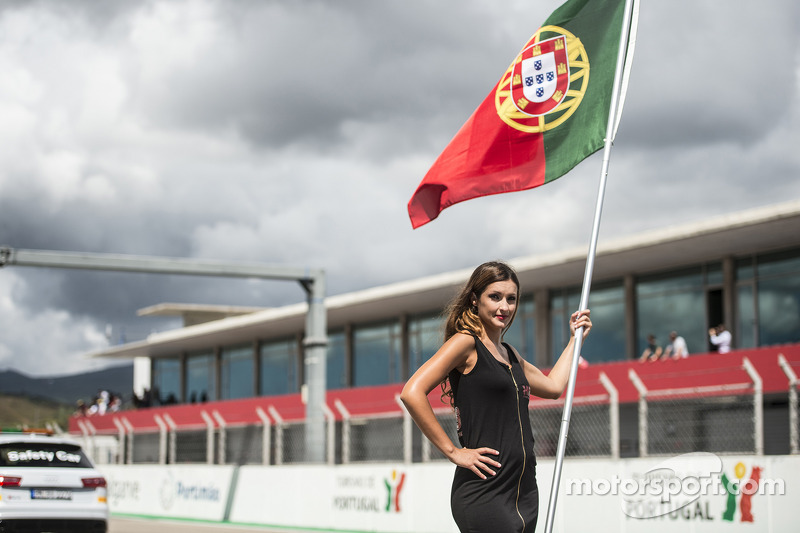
547,113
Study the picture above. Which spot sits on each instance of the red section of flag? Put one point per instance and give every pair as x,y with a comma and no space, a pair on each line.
485,157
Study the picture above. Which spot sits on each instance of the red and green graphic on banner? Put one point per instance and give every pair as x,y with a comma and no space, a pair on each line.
547,113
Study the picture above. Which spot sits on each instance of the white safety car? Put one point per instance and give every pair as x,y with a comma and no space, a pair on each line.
48,484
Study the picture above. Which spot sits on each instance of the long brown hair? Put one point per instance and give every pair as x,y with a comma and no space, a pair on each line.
462,316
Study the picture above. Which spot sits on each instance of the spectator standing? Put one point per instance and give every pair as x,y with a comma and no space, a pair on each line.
676,348
721,338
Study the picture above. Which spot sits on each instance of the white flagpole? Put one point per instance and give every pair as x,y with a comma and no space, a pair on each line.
587,277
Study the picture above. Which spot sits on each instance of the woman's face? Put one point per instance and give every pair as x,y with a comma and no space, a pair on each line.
497,304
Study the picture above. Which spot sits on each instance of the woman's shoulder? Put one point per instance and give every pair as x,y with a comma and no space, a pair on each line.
459,347
462,347
462,340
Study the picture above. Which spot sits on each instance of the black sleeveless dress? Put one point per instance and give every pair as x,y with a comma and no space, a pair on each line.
492,410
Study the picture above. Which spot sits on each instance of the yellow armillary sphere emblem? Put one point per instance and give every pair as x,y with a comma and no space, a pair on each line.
545,83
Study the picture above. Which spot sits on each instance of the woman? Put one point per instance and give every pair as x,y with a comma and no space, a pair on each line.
489,384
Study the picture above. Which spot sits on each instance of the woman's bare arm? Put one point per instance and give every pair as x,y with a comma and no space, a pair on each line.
553,384
458,352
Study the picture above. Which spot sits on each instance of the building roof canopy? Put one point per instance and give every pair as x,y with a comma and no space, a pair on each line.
760,230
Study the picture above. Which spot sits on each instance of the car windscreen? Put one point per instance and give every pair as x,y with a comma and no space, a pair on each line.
38,454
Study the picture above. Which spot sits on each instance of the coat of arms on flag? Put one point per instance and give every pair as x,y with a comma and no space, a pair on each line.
540,77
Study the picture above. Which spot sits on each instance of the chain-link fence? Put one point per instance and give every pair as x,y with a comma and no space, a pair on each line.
589,429
721,424
719,418
447,419
143,447
244,445
374,439
191,446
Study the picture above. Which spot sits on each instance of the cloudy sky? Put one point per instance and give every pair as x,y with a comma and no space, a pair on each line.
294,132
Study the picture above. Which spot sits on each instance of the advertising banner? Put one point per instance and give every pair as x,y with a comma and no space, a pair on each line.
696,492
172,491
375,497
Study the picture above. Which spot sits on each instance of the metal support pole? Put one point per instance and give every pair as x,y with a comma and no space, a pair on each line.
590,259
330,419
315,347
266,435
637,382
407,429
209,437
222,456
426,451
172,449
345,430
84,432
92,440
121,443
156,265
162,440
131,440
278,434
613,414
758,405
312,280
794,430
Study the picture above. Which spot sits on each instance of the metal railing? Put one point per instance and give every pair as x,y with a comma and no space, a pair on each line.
718,418
794,424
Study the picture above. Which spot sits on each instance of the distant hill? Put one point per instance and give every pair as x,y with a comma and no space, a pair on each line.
23,412
71,388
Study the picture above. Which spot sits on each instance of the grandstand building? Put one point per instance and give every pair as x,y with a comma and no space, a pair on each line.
742,270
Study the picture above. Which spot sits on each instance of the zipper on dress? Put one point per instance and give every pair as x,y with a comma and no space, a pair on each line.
522,442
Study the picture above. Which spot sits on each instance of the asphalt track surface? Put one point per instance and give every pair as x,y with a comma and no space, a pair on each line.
135,525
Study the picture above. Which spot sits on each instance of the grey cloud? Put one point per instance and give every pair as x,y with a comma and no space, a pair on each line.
299,133
716,72
297,73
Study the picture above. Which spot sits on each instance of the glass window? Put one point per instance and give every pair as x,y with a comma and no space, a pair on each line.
42,455
779,264
607,340
674,281
562,305
746,326
744,269
278,367
522,333
166,381
778,310
768,311
236,373
675,301
335,368
200,374
714,274
425,336
376,355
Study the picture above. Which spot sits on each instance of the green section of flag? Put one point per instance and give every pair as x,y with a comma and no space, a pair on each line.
597,23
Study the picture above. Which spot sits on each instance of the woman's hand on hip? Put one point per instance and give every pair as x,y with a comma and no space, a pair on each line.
477,460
